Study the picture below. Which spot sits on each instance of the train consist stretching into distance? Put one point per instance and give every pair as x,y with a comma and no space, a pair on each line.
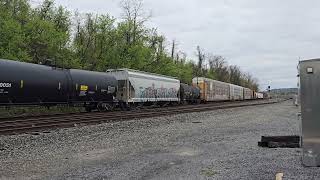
32,84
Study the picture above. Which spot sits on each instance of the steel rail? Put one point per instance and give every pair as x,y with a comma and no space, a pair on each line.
26,125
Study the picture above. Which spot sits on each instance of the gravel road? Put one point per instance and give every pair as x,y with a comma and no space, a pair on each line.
219,144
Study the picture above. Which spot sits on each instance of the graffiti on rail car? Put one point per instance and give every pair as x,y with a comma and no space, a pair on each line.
152,92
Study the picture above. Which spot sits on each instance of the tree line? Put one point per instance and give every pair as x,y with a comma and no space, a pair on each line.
99,42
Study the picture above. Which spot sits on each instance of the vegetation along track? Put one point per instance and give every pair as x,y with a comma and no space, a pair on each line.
33,124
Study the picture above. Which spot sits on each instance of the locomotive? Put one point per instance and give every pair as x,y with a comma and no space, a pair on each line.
33,84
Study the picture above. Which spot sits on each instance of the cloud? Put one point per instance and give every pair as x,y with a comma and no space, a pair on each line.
265,38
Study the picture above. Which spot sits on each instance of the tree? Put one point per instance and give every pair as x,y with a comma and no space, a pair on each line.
201,60
100,42
235,75
48,33
95,42
249,82
134,17
173,49
219,67
14,14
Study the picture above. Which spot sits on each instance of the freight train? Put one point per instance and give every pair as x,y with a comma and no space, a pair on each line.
32,84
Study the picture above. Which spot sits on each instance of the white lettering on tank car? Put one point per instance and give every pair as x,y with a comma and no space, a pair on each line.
5,85
3,91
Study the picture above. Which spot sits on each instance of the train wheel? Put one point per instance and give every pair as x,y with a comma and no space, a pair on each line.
183,102
139,106
129,107
110,107
88,109
103,107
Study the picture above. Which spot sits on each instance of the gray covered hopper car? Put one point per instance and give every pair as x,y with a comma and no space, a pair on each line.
143,87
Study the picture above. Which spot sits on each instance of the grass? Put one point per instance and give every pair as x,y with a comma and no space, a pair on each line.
209,172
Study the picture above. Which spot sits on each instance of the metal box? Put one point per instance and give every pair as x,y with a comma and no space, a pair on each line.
211,90
247,93
259,95
309,72
236,92
137,86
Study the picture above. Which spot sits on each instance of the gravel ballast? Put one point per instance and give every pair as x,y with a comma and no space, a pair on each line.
219,144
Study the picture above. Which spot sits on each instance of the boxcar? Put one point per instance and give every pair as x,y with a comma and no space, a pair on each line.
247,94
259,95
236,92
142,87
211,90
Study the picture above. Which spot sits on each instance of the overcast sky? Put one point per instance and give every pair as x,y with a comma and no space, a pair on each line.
263,37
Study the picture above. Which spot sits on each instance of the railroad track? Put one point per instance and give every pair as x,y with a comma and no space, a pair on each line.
43,123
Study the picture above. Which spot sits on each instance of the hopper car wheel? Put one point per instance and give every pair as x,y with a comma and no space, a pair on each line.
129,107
139,106
183,102
165,104
103,107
